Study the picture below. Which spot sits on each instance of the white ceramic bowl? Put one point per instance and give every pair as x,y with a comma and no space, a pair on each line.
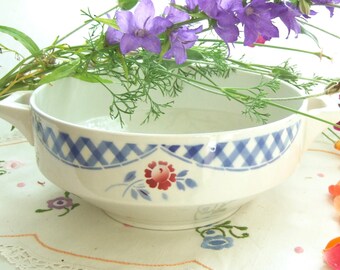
196,165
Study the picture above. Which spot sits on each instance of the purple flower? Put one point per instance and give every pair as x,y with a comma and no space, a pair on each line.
325,2
181,40
226,26
191,4
139,29
222,12
256,18
211,8
113,36
175,15
287,12
60,203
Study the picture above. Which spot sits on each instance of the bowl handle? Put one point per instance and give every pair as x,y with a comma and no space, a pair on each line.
16,110
325,107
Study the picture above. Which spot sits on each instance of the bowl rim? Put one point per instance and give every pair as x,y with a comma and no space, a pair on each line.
266,127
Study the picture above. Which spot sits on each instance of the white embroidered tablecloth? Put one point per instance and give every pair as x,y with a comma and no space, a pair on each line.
288,226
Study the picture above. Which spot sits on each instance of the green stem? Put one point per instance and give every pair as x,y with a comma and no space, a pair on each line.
294,98
318,54
6,49
329,138
83,25
8,74
195,20
66,212
319,29
328,5
301,113
336,135
267,70
232,95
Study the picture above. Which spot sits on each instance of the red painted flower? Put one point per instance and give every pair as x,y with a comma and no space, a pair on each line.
160,175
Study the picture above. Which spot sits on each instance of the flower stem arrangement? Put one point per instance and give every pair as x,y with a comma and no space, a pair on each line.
146,52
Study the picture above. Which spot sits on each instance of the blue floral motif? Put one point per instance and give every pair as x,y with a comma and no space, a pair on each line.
217,242
215,235
136,185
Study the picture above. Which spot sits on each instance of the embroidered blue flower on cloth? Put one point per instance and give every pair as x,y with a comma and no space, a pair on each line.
215,235
217,242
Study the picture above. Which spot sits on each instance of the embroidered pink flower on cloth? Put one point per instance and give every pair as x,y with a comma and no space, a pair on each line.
12,164
332,254
160,174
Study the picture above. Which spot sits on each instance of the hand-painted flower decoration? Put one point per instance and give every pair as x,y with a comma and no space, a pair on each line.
138,29
332,254
60,203
217,242
160,174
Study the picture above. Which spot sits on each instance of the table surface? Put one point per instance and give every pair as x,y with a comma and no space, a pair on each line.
297,214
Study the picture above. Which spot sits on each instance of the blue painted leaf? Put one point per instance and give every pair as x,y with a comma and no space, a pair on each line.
182,173
190,183
130,176
134,194
165,196
180,186
145,194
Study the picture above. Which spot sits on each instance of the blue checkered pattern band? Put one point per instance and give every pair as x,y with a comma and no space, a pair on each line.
84,153
239,155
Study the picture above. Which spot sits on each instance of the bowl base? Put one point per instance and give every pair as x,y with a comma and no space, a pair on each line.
171,226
